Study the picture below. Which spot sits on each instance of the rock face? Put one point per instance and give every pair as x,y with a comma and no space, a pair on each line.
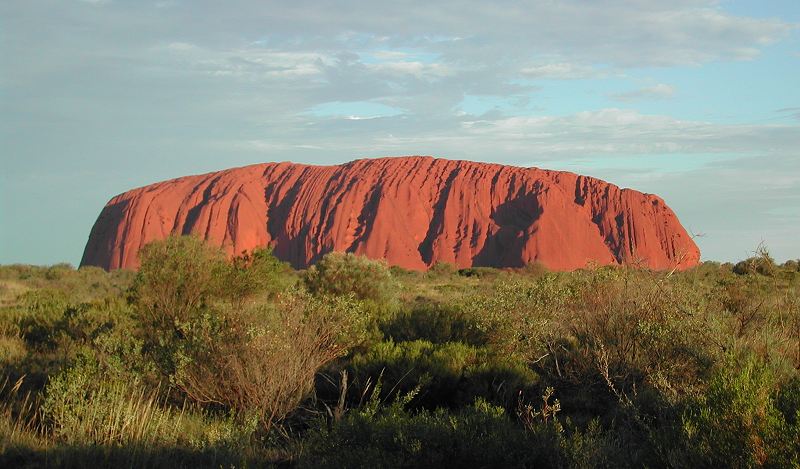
411,211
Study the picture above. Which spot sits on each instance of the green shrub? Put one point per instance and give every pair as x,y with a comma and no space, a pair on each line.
262,361
480,435
736,423
83,285
452,374
177,277
254,358
58,271
762,263
436,323
254,273
345,273
42,309
516,317
630,332
534,269
792,265
788,402
442,269
479,272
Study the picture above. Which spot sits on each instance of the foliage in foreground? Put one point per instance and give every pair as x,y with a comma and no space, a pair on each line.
198,361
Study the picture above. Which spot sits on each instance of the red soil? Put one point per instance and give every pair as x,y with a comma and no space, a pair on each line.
411,211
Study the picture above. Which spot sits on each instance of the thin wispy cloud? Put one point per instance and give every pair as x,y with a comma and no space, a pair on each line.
561,71
659,91
790,111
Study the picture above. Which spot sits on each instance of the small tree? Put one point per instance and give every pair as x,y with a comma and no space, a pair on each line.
253,273
258,359
762,263
262,361
791,265
177,277
341,274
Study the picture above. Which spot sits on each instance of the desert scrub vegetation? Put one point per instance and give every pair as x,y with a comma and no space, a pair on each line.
368,281
198,360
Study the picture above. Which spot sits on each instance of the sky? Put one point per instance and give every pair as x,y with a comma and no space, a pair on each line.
694,100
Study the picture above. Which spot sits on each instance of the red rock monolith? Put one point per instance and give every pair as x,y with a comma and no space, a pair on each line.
411,211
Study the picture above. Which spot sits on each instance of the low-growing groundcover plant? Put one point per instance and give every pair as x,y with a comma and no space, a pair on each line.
198,360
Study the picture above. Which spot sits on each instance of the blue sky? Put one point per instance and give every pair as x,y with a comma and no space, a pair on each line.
694,100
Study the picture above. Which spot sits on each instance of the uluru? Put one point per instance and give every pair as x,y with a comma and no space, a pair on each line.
411,211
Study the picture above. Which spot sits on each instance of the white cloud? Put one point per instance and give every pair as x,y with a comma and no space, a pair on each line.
618,132
560,71
659,91
417,69
616,32
250,63
603,135
181,47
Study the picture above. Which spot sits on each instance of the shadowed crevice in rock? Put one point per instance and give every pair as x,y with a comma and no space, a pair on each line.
437,221
194,213
366,218
285,244
504,248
